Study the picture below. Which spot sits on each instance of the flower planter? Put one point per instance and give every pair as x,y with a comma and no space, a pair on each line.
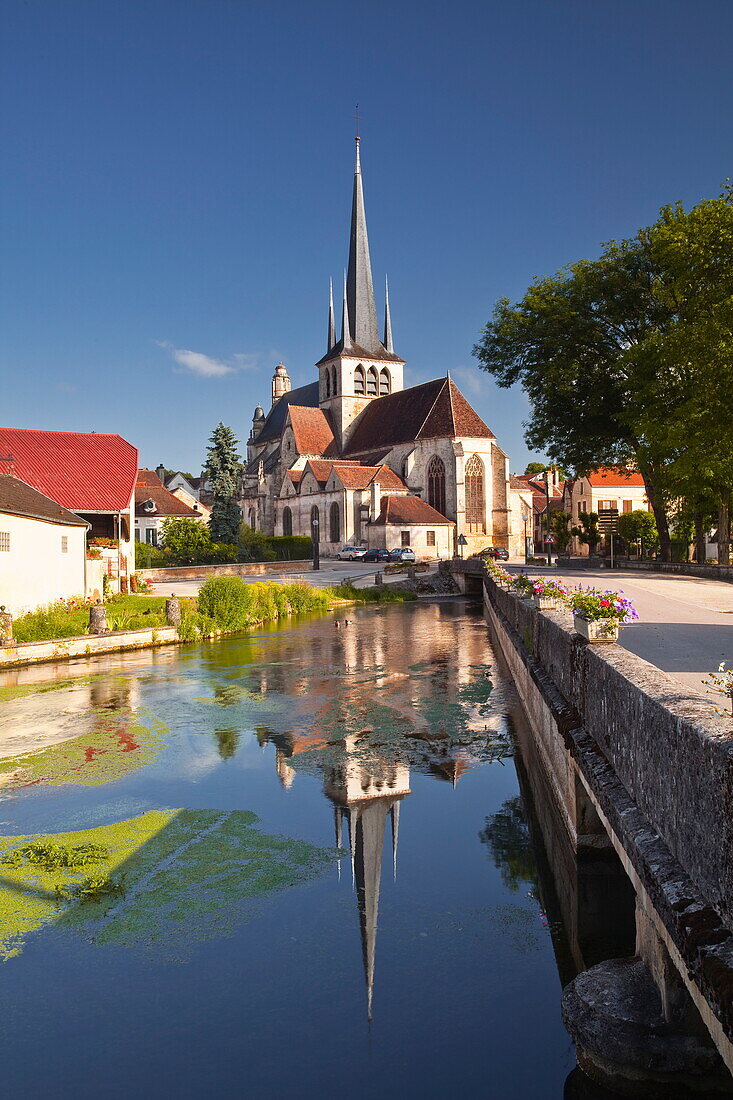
596,630
547,603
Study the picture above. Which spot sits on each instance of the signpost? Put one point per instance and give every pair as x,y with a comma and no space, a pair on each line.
549,538
462,541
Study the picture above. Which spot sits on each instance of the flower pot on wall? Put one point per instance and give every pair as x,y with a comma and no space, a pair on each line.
596,630
547,603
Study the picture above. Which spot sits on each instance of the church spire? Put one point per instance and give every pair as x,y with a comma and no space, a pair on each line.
387,319
345,318
359,288
331,319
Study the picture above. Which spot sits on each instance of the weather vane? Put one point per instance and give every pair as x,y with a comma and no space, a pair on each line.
356,123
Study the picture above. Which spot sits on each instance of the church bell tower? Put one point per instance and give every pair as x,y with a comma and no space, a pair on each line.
358,367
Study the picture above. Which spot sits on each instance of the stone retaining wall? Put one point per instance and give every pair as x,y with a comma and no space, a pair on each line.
85,645
690,569
237,569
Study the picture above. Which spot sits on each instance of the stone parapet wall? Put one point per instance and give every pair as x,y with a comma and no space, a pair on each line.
672,753
237,569
690,569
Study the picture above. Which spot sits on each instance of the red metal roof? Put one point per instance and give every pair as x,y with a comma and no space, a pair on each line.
82,471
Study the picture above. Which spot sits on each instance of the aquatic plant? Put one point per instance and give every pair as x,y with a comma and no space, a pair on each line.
52,857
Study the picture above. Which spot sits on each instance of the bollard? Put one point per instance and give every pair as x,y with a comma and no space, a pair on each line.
6,627
378,578
98,619
411,572
173,611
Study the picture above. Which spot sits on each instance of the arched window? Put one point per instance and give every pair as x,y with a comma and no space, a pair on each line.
475,512
328,382
251,518
372,382
287,521
385,382
359,384
315,522
334,382
436,484
334,519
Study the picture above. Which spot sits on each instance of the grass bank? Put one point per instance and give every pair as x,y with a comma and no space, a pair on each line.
225,605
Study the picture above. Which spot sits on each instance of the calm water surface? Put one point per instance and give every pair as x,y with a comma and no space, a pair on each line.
387,873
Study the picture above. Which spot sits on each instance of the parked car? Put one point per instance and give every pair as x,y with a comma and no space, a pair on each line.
402,553
351,553
376,555
498,553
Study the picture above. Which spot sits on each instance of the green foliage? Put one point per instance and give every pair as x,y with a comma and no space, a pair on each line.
70,618
254,545
149,557
639,527
233,605
623,357
589,534
93,888
378,594
291,547
535,468
223,469
189,542
52,857
560,527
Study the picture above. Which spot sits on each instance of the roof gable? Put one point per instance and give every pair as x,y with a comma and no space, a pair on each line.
82,471
311,429
410,511
19,499
304,396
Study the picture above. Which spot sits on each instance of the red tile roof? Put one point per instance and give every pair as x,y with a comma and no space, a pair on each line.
312,431
19,499
150,487
410,511
432,410
82,471
618,477
353,475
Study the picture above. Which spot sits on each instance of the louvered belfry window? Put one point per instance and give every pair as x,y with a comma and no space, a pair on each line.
436,484
475,511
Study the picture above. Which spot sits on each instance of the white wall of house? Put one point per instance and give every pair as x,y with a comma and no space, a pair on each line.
44,562
427,542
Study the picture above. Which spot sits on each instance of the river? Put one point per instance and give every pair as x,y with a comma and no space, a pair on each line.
291,863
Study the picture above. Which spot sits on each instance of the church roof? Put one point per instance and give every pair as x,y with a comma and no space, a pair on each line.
361,477
311,429
410,510
304,396
432,410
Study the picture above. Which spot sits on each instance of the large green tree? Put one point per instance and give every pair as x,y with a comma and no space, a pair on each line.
223,468
628,358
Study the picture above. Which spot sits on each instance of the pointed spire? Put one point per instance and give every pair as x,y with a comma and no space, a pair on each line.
395,816
387,319
331,320
345,325
360,291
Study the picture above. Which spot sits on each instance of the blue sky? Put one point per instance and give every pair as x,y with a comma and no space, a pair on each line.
177,179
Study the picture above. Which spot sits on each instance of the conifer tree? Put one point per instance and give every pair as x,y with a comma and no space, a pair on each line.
223,467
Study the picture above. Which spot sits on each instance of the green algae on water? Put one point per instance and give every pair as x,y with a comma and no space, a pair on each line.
170,879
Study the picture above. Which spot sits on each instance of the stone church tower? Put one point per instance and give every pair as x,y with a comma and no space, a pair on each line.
357,367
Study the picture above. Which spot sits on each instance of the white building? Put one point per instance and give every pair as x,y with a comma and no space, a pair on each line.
609,491
42,549
154,504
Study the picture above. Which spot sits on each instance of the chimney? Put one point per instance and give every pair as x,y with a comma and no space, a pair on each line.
160,471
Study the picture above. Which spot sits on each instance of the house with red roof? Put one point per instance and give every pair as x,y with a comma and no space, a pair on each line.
358,414
88,473
154,504
610,491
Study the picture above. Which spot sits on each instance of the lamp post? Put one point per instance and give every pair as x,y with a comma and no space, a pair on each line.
315,524
525,519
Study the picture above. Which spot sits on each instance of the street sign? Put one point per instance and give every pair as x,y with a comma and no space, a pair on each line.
462,540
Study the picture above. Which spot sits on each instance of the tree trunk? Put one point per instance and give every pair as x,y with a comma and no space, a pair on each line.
700,539
660,515
724,528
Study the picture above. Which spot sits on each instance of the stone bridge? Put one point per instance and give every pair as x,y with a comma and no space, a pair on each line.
640,779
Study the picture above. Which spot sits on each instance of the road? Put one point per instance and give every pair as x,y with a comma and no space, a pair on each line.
330,573
685,623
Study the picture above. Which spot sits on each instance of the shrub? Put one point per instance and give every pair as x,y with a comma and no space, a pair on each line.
254,545
149,557
233,605
378,594
291,547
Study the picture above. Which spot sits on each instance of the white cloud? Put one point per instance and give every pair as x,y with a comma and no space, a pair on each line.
470,379
206,366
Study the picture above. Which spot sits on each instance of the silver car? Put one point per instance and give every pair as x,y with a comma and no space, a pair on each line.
351,553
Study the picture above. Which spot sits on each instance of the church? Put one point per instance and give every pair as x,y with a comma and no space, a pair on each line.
354,457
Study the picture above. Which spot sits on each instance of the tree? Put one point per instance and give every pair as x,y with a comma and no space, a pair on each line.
623,357
187,541
254,545
638,526
223,467
559,525
588,533
535,468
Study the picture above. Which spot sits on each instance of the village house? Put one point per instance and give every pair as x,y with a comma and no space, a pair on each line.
534,498
154,504
340,455
610,491
92,475
42,549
